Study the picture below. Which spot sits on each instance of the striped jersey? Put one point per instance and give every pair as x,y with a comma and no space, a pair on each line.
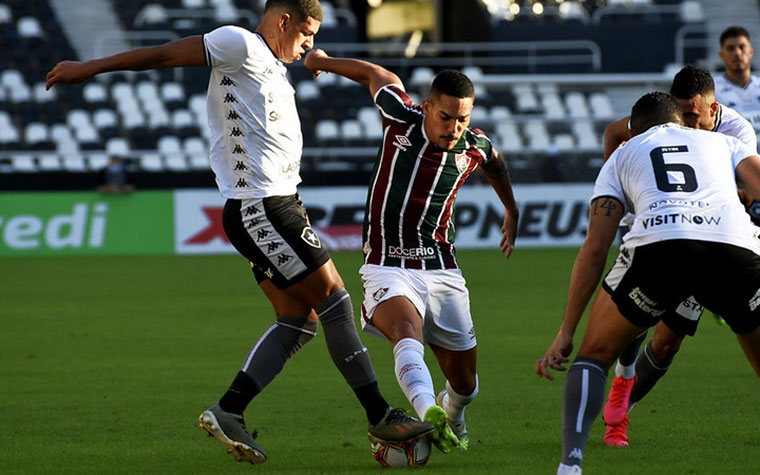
409,215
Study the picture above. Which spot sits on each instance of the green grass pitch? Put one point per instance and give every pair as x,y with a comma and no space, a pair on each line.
106,363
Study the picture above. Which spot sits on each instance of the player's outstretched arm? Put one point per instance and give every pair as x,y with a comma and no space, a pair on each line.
604,218
183,52
614,134
364,72
498,176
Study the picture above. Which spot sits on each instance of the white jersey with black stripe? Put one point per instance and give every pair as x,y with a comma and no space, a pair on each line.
680,184
744,99
256,139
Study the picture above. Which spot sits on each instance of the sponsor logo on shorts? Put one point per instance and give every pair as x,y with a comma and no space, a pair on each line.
690,309
754,302
379,293
310,237
678,218
415,253
645,303
471,333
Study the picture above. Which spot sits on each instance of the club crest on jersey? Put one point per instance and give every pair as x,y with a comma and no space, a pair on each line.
379,293
310,237
402,142
463,161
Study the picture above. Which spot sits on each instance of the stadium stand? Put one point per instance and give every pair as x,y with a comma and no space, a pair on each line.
547,84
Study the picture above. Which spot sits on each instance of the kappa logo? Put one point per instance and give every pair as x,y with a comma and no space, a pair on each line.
310,237
463,161
576,453
379,293
402,142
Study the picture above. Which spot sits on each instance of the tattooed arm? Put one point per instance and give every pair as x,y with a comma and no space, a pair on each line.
604,217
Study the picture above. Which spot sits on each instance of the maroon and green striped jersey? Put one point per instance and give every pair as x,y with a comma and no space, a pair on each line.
409,216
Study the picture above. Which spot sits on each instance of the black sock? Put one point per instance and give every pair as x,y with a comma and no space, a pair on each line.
649,370
373,402
628,357
239,395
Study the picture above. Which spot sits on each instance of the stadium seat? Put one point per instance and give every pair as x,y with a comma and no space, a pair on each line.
601,106
176,162
586,135
97,161
327,130
35,133
6,16
191,4
9,135
351,130
195,146
49,162
508,137
537,135
74,162
104,118
40,95
23,163
169,145
307,90
576,104
151,162
563,142
422,76
527,103
198,161
480,116
29,27
118,146
499,113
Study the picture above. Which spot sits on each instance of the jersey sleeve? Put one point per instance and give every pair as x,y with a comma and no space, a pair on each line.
395,104
608,182
226,48
482,142
739,150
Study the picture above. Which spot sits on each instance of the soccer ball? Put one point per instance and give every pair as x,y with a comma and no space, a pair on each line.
412,453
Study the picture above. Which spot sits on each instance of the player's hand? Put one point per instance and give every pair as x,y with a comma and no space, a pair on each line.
508,234
555,356
312,58
67,72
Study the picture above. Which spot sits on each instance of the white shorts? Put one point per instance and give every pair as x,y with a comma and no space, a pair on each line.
440,297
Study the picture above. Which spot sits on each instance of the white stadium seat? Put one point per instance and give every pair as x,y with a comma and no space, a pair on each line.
118,146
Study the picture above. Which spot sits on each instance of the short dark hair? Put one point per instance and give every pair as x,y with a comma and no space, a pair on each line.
733,32
654,108
302,10
452,83
690,81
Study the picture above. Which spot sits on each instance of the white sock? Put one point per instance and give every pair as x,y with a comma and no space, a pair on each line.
627,372
413,375
568,469
455,403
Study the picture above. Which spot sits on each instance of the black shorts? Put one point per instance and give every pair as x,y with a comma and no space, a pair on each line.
657,281
274,234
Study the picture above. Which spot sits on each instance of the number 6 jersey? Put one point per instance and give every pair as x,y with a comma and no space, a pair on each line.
680,184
